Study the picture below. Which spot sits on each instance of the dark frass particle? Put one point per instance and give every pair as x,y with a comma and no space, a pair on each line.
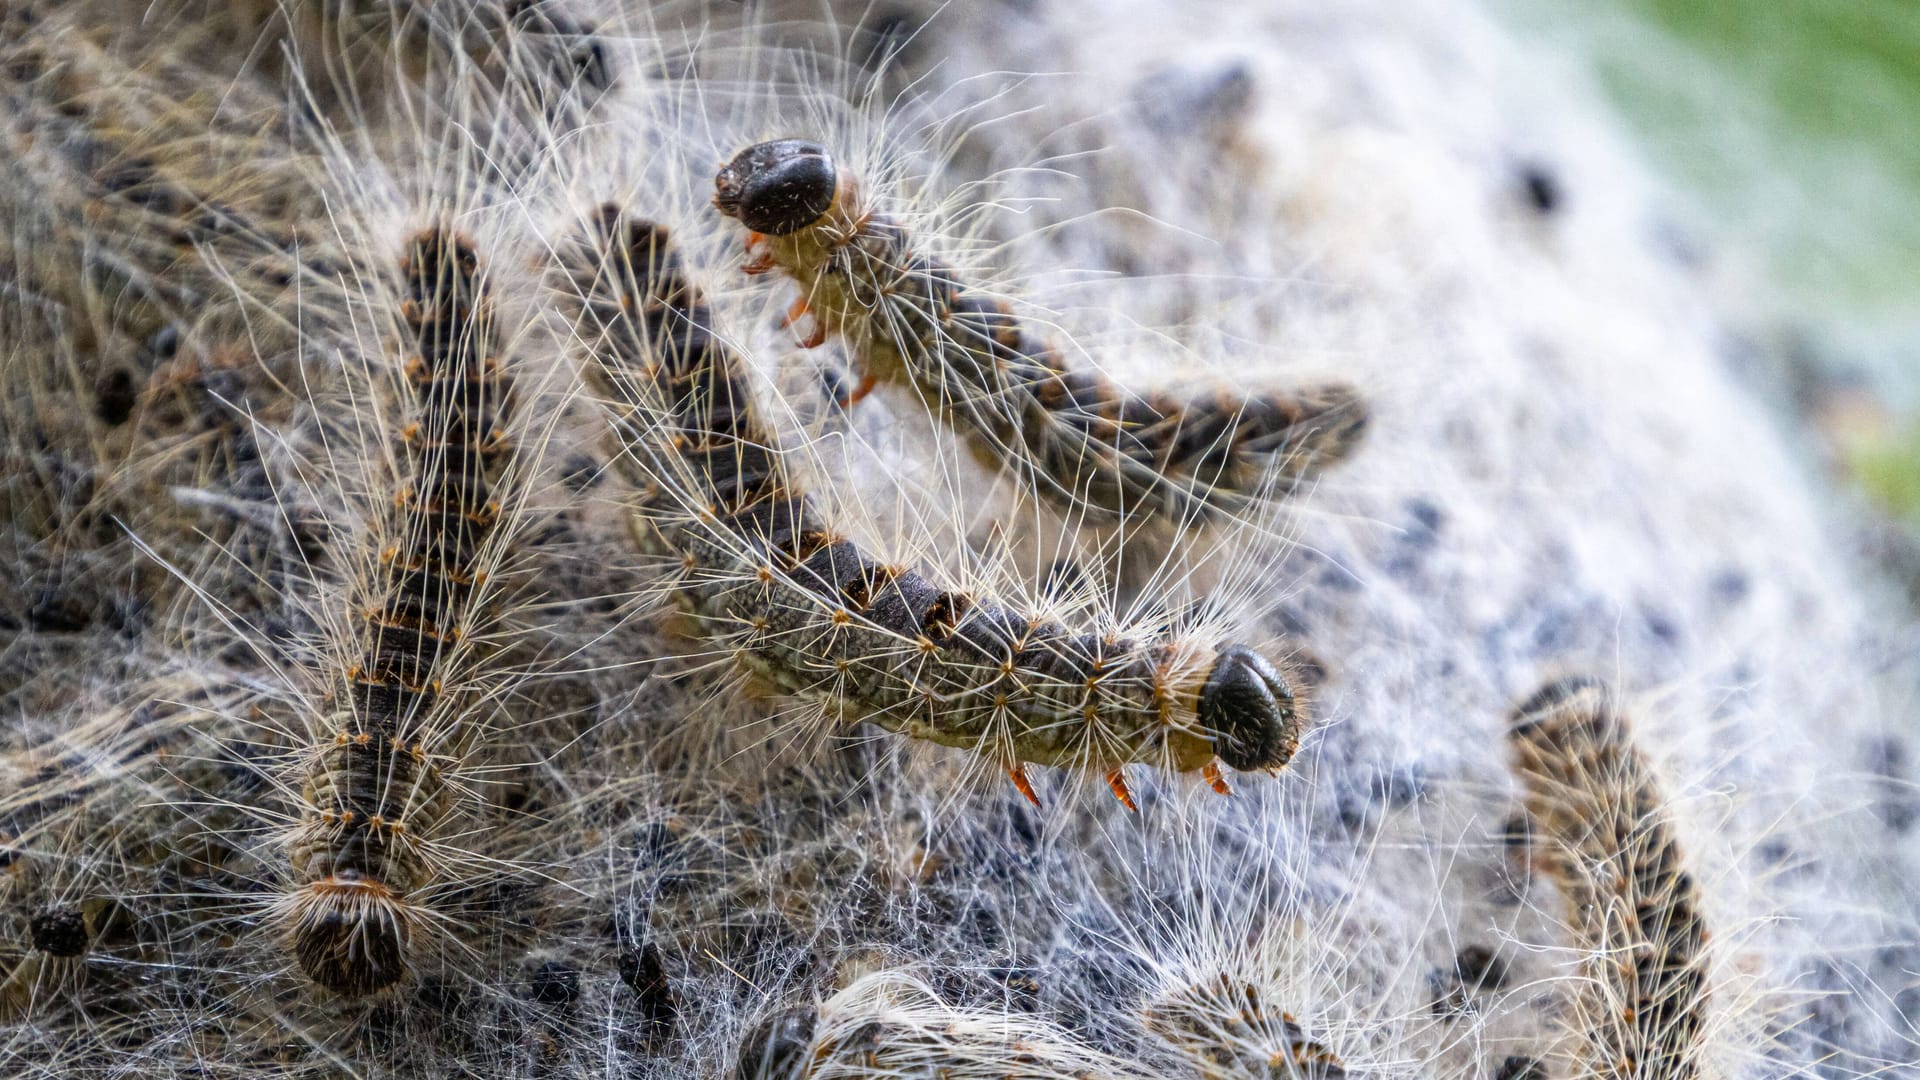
884,40
114,397
1475,969
643,973
57,612
60,932
554,984
1540,188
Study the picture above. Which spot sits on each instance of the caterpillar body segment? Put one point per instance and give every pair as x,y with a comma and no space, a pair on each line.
378,792
1599,827
1096,450
817,616
1227,1033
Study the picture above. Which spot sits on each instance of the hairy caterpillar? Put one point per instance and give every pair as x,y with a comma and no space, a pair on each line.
1094,449
1599,825
813,614
378,794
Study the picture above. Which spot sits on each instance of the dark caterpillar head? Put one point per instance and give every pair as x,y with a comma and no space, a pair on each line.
777,187
1249,711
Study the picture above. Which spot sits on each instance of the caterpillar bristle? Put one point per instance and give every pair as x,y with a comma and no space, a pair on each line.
387,703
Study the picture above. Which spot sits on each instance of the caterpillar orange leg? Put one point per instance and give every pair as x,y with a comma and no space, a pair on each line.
816,334
1211,772
761,260
1018,774
860,392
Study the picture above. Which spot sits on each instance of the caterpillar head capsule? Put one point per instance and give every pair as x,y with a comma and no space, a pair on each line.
1249,710
778,187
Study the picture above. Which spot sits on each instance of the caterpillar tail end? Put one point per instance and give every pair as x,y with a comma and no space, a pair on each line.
1117,780
352,935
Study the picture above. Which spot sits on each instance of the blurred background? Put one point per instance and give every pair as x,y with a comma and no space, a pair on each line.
1789,133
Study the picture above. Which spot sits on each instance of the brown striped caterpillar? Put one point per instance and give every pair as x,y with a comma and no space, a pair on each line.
813,614
378,794
1094,449
1599,824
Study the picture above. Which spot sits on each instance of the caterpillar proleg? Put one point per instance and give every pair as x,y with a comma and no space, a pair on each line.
1599,825
1097,451
377,793
815,615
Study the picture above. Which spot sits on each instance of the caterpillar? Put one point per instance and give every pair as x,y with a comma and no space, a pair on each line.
813,614
1094,449
378,792
727,857
1598,820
